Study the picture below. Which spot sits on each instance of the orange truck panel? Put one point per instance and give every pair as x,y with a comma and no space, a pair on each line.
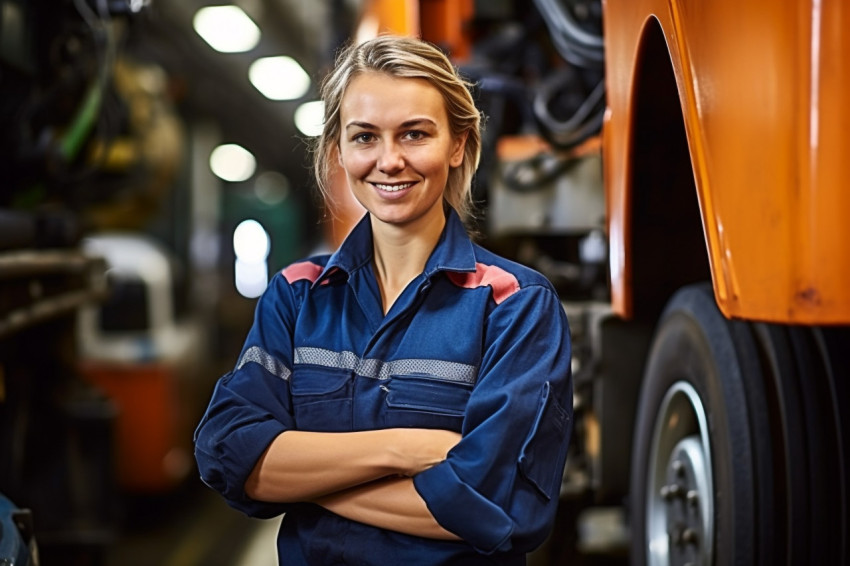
389,16
761,85
446,23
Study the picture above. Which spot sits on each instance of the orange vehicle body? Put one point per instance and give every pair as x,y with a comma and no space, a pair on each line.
762,90
440,21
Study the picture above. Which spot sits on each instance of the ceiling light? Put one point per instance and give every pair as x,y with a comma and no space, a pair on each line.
251,242
309,118
251,245
232,162
279,78
250,279
226,28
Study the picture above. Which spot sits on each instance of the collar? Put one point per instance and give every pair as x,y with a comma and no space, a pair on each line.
454,250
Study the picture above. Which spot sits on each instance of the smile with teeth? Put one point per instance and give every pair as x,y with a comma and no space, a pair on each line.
393,188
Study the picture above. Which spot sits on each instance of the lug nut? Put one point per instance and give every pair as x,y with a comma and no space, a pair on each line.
669,492
689,536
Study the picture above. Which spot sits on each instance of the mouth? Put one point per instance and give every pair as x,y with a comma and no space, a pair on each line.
394,188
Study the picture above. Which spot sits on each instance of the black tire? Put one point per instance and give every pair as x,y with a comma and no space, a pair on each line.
833,345
806,371
702,397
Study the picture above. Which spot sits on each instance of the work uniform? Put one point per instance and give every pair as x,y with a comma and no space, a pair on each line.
475,344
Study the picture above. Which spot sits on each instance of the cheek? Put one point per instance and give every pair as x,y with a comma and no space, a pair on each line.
436,165
356,163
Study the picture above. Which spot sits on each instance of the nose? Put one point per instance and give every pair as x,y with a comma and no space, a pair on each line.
390,159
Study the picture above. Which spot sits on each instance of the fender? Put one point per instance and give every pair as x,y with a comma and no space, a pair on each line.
760,88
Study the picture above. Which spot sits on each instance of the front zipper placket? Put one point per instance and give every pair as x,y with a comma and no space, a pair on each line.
404,307
364,287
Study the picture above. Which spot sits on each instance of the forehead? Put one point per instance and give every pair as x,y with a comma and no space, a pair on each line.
375,96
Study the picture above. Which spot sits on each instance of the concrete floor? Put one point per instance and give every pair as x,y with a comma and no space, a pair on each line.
191,527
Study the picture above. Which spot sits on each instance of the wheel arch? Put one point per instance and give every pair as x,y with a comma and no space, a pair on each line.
667,243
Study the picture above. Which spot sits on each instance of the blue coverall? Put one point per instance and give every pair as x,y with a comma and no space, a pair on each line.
476,344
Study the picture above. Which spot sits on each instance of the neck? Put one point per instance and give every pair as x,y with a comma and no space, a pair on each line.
400,254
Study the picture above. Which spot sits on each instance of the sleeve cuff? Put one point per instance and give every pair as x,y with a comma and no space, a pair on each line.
463,511
228,466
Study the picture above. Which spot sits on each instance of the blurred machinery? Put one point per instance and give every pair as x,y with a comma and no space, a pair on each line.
146,358
17,544
87,144
55,431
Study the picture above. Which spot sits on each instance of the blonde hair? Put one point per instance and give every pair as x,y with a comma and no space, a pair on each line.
403,57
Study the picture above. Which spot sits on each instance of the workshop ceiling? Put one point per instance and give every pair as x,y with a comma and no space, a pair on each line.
215,86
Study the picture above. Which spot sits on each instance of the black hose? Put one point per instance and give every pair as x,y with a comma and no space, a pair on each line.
575,44
582,122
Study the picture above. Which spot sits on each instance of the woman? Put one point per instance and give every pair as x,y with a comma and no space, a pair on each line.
408,399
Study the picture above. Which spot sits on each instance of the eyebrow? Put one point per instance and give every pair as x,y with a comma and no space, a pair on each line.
406,124
418,122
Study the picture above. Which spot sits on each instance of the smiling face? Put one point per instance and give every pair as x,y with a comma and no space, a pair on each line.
397,148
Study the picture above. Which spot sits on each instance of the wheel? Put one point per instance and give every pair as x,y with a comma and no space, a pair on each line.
742,441
701,482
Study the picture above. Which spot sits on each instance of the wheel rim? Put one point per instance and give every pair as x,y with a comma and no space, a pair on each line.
680,506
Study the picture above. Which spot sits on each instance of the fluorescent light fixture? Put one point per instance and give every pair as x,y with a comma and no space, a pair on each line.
250,279
137,5
251,242
309,118
227,29
279,78
232,162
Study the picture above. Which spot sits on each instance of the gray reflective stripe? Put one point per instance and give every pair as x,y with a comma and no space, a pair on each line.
259,356
378,369
326,358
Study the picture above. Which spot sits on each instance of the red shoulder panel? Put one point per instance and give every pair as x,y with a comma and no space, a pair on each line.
302,270
500,281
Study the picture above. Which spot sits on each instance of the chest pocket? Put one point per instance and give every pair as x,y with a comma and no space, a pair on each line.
426,401
322,398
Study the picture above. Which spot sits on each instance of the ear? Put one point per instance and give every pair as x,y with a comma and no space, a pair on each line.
458,147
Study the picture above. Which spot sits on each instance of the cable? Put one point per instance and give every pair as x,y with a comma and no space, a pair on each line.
574,43
584,122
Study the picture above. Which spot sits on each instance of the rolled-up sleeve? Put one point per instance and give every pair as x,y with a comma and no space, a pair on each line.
498,489
250,405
